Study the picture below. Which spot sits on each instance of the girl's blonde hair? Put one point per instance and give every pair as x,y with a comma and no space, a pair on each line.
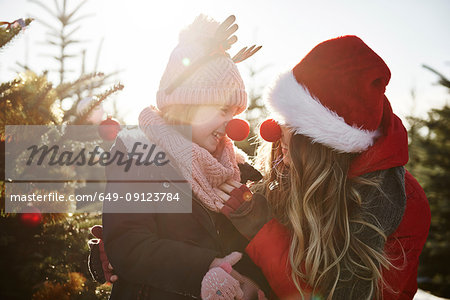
316,200
178,114
183,114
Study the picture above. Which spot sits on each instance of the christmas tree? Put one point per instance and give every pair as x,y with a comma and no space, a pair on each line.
430,164
44,256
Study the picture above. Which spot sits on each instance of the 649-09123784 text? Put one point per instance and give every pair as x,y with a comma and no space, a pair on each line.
130,197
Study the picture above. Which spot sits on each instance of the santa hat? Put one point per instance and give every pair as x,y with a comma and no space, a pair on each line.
335,95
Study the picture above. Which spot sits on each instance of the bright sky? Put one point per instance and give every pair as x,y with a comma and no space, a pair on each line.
139,36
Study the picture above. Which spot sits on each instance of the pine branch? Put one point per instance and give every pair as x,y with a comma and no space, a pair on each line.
72,32
64,89
76,9
45,7
65,18
69,42
82,17
58,9
8,85
53,33
115,88
81,119
97,58
48,42
443,80
102,81
62,57
46,114
12,29
40,97
47,25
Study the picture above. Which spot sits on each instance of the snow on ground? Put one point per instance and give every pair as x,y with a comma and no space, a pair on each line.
422,295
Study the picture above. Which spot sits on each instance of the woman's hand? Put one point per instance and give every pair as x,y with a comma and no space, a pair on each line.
233,194
250,289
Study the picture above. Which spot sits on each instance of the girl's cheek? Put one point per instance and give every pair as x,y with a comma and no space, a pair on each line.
222,119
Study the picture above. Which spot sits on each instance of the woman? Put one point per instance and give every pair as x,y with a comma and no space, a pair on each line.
349,221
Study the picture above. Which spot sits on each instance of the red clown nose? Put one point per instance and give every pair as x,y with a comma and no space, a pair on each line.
270,130
237,129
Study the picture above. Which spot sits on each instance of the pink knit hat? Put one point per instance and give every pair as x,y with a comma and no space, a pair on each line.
216,82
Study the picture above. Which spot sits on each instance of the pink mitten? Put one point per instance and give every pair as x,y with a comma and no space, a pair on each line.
218,284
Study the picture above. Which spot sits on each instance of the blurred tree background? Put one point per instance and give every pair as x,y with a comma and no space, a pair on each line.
256,111
44,256
429,152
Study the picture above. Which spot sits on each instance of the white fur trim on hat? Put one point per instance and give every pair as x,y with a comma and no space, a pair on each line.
292,105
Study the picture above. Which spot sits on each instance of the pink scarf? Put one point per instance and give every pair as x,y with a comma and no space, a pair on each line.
205,172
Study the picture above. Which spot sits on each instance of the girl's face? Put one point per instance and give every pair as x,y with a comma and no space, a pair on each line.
284,144
208,125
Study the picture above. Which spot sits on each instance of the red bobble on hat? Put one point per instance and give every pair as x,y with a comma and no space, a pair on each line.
270,130
237,129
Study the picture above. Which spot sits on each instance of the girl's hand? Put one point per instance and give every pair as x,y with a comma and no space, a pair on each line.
230,259
233,194
229,185
250,290
218,284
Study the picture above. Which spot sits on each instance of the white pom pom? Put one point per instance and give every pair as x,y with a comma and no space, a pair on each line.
202,28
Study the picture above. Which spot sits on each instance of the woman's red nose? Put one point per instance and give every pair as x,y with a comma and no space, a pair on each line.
270,130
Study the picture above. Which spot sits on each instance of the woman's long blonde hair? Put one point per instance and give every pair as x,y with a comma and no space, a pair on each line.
316,200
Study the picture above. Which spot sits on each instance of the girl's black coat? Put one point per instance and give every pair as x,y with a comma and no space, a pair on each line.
166,255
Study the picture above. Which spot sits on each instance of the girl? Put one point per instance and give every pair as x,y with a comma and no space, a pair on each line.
349,221
180,255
